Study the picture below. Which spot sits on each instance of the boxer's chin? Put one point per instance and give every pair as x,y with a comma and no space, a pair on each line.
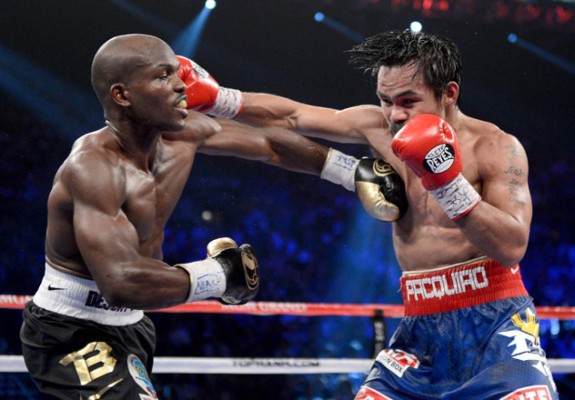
394,128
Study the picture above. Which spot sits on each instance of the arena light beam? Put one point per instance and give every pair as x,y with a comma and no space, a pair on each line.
187,41
338,27
41,93
544,54
146,17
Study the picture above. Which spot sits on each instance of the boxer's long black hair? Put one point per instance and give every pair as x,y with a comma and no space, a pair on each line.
437,57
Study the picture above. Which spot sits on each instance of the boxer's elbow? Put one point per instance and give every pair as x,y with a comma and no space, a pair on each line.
117,296
122,288
510,262
512,254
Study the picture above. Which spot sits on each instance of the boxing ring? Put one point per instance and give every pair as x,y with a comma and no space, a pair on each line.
247,365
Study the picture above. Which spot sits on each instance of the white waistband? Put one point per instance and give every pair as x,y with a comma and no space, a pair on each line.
72,296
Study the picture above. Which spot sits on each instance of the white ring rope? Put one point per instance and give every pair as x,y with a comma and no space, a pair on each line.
263,366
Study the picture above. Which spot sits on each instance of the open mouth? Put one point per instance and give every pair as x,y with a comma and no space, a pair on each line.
182,104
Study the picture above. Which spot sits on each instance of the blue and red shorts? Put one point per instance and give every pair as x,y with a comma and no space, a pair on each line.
470,331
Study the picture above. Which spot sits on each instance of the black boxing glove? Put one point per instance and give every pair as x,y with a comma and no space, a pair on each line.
241,268
230,273
380,189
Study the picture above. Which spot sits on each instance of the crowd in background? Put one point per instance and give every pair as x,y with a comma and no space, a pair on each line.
314,243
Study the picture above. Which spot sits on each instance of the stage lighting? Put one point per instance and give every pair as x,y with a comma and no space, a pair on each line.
337,26
415,26
540,52
210,4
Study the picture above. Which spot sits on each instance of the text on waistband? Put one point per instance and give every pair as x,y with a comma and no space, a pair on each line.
446,285
96,300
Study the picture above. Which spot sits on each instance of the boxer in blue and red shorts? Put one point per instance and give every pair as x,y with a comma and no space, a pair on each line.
470,332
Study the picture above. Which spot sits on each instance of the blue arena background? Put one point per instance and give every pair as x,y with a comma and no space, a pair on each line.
314,241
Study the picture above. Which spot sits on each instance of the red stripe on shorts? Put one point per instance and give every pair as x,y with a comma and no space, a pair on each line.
464,285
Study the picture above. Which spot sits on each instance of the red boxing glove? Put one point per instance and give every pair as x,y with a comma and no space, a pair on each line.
205,94
429,146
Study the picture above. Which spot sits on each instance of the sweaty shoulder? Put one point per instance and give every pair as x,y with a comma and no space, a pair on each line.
365,118
362,124
96,147
198,128
486,135
93,167
490,150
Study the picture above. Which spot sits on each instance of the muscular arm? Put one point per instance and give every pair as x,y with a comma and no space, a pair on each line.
351,125
109,243
499,225
272,145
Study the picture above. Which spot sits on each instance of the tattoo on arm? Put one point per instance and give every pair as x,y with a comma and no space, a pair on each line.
514,187
517,175
513,170
512,152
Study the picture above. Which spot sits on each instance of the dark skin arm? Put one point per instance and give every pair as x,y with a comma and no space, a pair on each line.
273,146
127,271
120,211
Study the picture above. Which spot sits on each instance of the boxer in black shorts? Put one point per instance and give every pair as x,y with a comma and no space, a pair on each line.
84,333
87,358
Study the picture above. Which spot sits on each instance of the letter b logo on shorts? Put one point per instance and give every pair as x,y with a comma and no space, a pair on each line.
95,353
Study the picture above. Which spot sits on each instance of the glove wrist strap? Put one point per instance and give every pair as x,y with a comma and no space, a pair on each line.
228,103
457,198
339,168
207,279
